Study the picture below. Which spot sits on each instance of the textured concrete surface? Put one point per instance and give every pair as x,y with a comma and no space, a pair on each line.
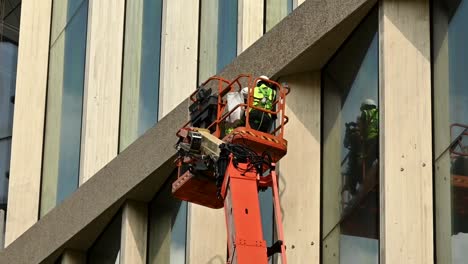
26,148
137,173
313,31
406,225
103,79
303,41
299,184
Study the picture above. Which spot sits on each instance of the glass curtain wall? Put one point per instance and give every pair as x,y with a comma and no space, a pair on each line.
60,174
218,36
140,83
9,56
450,104
275,11
227,32
350,179
106,249
10,12
167,228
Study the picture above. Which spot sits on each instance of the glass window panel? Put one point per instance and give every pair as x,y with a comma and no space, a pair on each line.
9,55
350,226
266,210
218,28
167,228
63,12
64,109
276,10
106,249
450,61
140,86
227,32
207,56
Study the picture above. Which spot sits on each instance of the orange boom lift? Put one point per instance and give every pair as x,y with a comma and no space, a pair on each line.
219,170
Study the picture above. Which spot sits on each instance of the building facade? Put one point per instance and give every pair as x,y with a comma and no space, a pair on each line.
92,93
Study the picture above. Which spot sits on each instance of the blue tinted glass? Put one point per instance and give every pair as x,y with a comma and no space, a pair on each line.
227,32
64,106
350,228
290,6
150,58
8,61
72,102
179,234
266,210
450,101
140,77
458,63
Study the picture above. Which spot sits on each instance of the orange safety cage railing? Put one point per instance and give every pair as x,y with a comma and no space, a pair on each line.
458,139
224,87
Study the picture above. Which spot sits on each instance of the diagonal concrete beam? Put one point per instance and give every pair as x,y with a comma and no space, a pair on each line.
303,41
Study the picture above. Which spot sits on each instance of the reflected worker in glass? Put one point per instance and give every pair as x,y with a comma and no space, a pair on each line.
361,139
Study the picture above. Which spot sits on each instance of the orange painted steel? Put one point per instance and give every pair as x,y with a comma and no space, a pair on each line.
197,188
238,193
244,225
243,217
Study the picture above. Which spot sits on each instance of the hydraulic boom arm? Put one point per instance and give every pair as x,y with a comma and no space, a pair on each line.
228,169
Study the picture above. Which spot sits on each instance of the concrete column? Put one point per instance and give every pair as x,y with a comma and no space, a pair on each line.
250,23
332,174
297,3
299,170
406,142
101,103
209,226
31,83
73,257
134,233
179,51
160,238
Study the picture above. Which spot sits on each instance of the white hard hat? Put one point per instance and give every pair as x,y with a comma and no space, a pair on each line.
262,77
368,102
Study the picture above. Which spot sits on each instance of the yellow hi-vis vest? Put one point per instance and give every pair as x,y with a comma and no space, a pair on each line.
261,92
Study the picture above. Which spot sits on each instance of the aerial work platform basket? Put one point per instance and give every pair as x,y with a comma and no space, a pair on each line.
199,186
224,162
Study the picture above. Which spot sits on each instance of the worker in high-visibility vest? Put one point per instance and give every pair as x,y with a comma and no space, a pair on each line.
361,139
263,97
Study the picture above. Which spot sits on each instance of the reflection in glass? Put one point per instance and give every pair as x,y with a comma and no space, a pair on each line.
8,60
60,173
8,55
218,36
227,32
167,228
276,10
106,249
450,57
140,84
350,226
